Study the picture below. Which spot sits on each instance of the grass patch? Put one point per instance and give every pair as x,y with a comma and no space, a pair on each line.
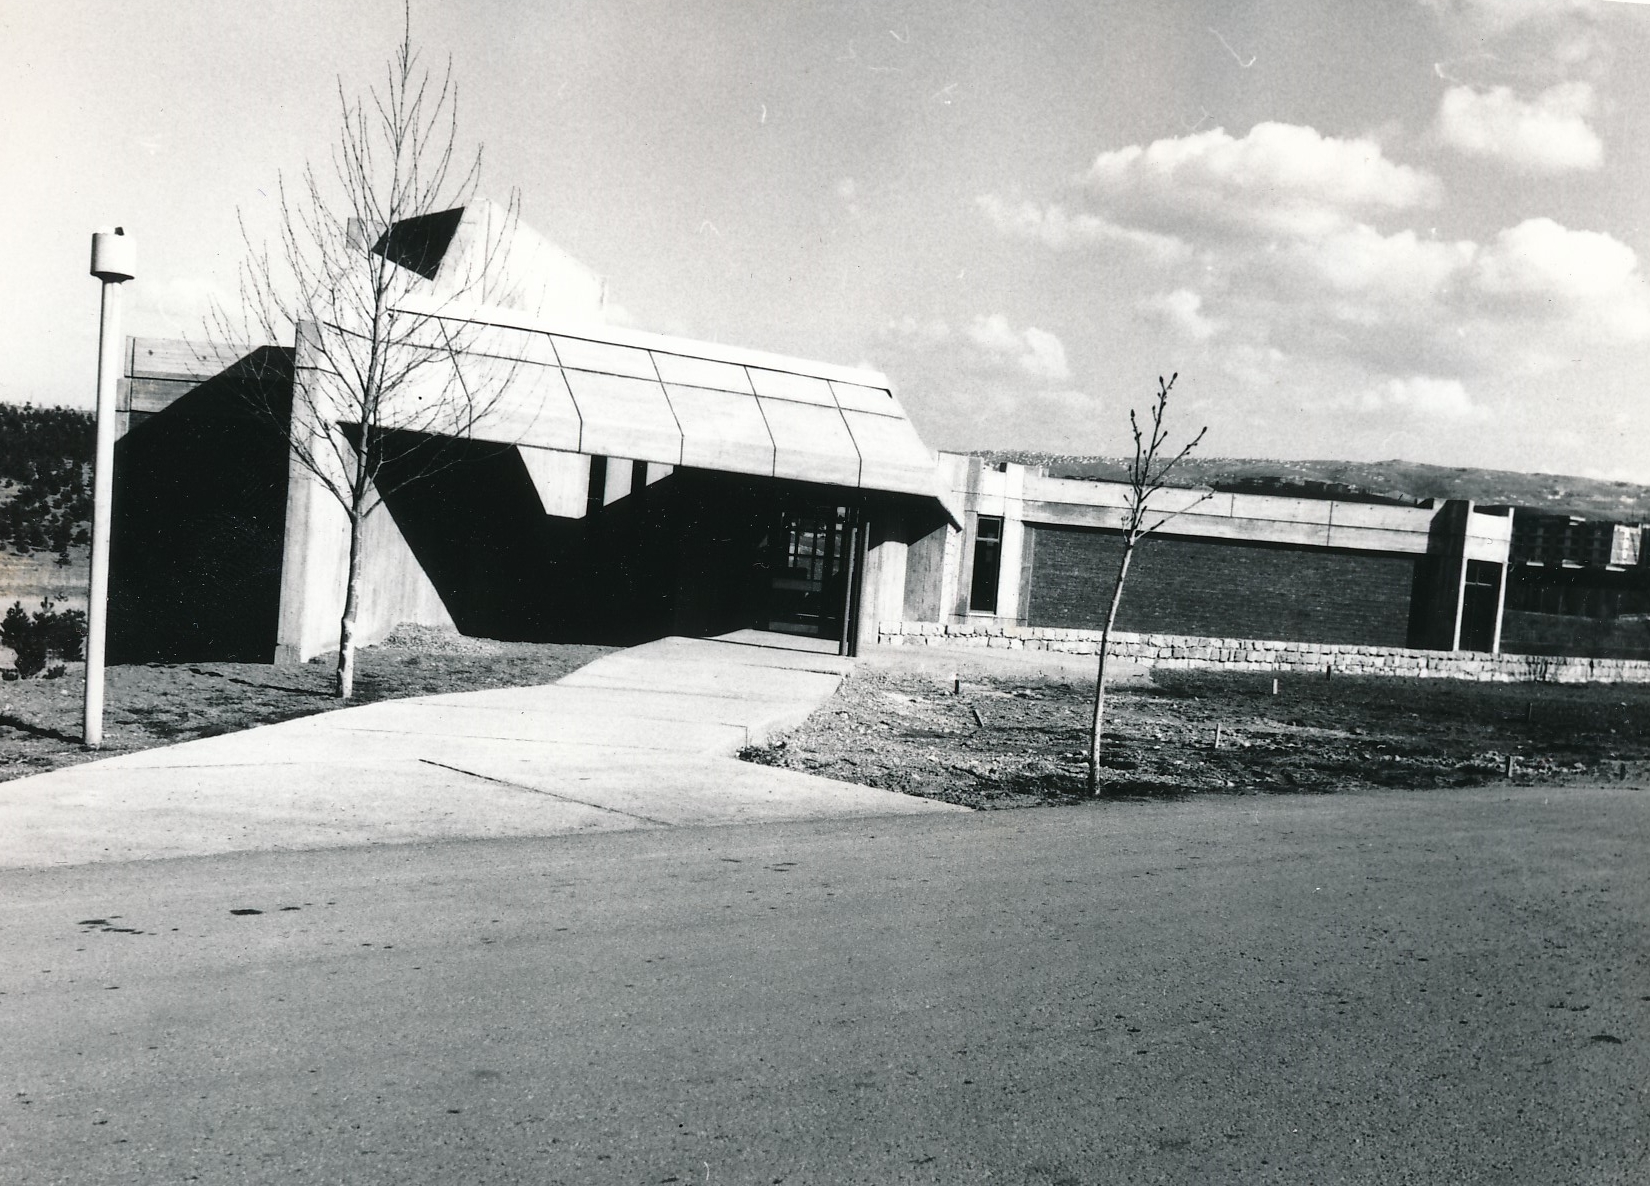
152,704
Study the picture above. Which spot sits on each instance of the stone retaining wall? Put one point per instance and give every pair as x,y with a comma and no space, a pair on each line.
1239,654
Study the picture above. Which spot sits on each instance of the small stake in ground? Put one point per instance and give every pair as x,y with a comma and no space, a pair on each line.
1274,687
1512,760
1217,734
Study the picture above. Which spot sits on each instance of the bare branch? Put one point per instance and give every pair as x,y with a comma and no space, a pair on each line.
379,385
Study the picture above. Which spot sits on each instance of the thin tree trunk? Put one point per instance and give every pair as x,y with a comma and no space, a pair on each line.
352,602
1097,724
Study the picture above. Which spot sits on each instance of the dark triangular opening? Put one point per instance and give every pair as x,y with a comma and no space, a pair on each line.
418,244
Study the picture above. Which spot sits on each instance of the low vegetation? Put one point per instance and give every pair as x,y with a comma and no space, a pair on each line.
1021,741
42,643
159,703
45,479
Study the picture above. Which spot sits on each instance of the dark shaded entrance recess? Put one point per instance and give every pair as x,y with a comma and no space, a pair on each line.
696,552
812,558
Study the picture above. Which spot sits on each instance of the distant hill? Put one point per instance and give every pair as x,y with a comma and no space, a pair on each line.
45,479
1400,482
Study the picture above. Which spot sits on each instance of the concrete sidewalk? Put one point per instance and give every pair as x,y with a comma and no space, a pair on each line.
639,738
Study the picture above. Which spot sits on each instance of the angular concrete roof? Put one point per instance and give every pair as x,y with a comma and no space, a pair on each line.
483,253
606,390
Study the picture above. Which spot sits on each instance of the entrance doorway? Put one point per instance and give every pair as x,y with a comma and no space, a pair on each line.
1480,598
811,563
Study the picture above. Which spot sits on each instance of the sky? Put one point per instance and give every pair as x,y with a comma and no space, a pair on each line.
1391,229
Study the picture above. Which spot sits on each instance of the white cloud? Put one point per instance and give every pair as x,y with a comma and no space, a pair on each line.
1422,395
1357,260
988,345
1526,42
908,331
1307,280
1587,278
1033,351
1548,134
1180,310
1278,177
1053,226
1256,366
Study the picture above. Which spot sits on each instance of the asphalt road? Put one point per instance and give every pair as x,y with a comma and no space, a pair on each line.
1426,987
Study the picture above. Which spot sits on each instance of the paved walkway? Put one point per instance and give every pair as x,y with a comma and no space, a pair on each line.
640,738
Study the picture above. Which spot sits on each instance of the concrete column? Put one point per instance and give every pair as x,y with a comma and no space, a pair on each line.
621,478
882,585
315,549
1009,608
1500,607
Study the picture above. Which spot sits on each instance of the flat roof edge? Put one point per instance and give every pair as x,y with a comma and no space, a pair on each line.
600,331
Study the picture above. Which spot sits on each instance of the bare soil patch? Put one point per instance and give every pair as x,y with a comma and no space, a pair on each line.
154,704
1017,738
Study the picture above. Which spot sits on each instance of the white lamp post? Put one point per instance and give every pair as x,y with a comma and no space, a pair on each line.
113,261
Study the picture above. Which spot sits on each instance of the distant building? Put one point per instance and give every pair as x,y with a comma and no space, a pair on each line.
1579,586
1036,550
1541,537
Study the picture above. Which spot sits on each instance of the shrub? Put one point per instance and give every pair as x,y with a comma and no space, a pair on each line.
46,635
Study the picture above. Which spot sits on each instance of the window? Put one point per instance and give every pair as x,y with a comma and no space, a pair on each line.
988,563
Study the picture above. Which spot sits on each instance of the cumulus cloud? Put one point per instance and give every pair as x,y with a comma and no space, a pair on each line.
1422,395
1033,351
909,332
1524,41
989,343
1278,177
1547,134
1056,227
1281,230
1180,310
1589,279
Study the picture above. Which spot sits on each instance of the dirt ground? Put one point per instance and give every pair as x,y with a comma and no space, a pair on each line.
1015,736
160,703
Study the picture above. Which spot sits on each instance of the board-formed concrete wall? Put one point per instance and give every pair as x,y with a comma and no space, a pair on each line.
1247,654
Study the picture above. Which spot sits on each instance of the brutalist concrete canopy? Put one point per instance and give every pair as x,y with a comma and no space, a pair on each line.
603,390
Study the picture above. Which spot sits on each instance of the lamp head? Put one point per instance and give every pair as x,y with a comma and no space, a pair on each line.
114,256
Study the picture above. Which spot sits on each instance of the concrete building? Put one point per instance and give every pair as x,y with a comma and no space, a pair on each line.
624,486
1035,550
1578,586
629,485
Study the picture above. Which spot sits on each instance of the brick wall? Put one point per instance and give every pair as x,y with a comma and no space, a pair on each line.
1247,654
1221,588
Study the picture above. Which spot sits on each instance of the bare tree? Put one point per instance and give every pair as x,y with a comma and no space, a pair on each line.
1148,476
378,386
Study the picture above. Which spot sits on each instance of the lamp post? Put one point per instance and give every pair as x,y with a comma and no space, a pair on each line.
113,260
